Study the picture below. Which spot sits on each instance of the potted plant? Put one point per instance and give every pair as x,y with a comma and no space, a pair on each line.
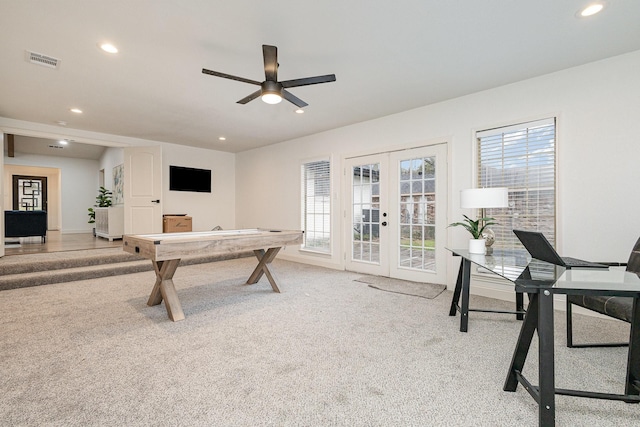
477,243
103,200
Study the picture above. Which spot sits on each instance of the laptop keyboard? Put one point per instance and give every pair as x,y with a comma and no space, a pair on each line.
574,262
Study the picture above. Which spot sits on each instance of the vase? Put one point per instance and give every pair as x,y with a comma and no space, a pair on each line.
477,246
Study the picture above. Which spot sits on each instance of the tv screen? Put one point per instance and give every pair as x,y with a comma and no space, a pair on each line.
189,179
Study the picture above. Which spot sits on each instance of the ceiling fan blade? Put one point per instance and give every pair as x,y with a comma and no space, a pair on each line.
251,97
229,76
309,81
270,54
293,99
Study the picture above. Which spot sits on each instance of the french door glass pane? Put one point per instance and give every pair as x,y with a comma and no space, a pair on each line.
366,213
417,207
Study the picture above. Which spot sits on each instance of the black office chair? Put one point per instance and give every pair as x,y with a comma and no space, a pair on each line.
620,308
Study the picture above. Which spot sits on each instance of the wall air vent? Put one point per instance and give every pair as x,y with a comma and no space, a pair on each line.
44,60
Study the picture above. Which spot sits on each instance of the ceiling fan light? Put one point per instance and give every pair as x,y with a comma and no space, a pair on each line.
271,98
590,10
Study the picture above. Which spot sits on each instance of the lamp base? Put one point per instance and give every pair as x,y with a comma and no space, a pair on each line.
489,239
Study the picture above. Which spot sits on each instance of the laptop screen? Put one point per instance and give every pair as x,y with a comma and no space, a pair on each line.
539,247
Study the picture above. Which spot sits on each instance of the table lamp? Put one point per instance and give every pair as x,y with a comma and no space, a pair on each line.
482,198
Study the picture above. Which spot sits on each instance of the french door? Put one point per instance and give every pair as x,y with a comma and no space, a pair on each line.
396,220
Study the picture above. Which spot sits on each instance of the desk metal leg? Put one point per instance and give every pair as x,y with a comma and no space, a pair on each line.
519,306
632,385
464,307
524,343
456,293
264,259
165,289
539,317
546,364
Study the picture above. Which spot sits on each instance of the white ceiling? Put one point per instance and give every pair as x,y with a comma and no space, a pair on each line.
388,57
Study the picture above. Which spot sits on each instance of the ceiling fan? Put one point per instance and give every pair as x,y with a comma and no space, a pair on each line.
271,90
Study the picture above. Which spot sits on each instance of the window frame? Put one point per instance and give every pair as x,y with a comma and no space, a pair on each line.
511,241
327,210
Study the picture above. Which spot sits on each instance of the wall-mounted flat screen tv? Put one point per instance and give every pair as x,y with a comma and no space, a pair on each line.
189,179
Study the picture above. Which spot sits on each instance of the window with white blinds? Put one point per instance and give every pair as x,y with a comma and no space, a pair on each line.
316,206
522,158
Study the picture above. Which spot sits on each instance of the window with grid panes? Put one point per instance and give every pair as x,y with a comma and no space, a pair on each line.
522,158
316,206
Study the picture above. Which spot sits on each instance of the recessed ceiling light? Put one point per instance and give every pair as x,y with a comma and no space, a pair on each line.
76,110
222,138
63,142
108,47
591,10
300,111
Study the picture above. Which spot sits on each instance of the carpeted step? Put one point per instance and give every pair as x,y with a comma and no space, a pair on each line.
37,278
17,264
73,262
91,266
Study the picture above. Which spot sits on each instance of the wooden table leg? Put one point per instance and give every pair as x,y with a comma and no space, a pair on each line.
264,259
165,289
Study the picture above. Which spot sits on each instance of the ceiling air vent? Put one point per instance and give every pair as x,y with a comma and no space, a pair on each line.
57,147
44,60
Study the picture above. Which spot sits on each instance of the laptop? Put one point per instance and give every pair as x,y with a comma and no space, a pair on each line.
540,248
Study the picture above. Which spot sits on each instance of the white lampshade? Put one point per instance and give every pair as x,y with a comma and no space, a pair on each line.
484,198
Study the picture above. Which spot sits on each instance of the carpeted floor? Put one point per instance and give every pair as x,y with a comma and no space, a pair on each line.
327,351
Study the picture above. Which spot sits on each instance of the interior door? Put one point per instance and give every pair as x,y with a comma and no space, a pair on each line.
397,214
143,190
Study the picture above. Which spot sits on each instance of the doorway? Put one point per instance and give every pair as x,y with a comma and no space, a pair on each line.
397,203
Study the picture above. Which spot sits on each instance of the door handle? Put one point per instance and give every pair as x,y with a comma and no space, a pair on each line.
155,201
384,223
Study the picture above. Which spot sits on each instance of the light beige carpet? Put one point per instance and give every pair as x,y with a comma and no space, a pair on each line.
325,352
418,289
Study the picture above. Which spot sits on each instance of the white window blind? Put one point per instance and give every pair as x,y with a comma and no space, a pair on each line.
316,205
522,158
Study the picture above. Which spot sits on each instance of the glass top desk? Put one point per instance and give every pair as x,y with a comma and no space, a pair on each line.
541,281
508,264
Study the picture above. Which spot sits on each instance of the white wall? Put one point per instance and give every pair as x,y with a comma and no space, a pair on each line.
111,158
207,210
79,185
77,188
597,105
54,200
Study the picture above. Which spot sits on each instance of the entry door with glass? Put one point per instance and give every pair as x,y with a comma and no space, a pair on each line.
397,220
29,193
